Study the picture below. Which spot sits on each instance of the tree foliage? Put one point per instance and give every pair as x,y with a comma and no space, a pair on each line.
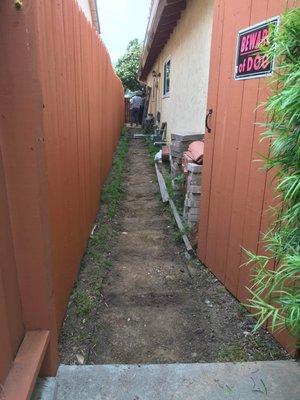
276,293
127,66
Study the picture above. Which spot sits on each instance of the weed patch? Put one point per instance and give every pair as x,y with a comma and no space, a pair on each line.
232,353
112,192
152,150
83,302
168,181
177,234
79,329
98,243
261,350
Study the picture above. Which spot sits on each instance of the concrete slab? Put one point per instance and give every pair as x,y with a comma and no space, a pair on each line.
275,380
187,136
45,389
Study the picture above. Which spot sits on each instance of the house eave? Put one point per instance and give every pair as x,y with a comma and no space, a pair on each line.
94,14
164,21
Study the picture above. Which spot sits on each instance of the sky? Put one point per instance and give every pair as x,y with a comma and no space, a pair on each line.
122,21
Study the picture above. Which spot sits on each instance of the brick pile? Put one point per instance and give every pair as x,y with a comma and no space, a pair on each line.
179,144
193,193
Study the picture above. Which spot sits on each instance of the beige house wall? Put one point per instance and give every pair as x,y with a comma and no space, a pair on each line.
184,109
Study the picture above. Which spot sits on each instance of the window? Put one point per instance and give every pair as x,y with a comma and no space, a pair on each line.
167,71
154,88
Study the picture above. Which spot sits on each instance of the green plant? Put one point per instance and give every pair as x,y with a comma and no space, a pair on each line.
82,301
169,185
232,353
177,235
112,191
127,66
106,263
179,179
262,350
153,150
98,243
276,293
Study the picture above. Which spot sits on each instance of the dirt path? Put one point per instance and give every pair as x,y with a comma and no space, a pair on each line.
153,310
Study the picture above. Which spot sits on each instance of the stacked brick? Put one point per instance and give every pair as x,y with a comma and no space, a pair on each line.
193,193
179,144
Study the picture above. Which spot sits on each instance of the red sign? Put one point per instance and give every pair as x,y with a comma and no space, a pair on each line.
250,62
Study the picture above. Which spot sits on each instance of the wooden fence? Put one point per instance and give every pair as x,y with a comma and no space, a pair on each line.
61,113
236,191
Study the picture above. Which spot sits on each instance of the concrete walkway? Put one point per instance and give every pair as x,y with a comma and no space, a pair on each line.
274,380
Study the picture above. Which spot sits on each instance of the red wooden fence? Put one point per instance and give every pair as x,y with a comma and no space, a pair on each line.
61,113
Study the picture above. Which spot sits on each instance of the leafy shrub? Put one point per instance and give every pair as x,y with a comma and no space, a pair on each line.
276,293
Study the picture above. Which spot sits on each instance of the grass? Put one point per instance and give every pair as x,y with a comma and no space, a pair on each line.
98,243
168,181
96,261
83,302
177,235
152,150
177,195
179,180
252,348
232,353
262,351
112,191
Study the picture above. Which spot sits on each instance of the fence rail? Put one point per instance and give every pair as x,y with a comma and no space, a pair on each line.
62,110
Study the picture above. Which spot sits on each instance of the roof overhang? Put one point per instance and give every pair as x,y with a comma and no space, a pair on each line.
94,14
160,28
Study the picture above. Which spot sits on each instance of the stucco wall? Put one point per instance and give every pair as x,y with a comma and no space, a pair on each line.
189,49
85,6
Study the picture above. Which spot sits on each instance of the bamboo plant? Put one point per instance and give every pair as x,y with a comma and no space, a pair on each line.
275,292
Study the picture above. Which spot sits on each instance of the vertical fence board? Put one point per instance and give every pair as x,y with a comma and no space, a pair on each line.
12,329
8,271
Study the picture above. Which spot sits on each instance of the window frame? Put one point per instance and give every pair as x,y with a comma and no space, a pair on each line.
164,91
154,89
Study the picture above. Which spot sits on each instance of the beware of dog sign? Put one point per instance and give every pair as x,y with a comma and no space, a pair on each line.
250,62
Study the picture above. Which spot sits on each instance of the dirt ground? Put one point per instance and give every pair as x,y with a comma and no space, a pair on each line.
152,305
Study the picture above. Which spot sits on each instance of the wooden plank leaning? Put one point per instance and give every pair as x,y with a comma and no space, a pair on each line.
166,199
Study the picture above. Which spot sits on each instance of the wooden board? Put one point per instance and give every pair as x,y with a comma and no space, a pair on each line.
162,185
185,239
21,379
165,198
